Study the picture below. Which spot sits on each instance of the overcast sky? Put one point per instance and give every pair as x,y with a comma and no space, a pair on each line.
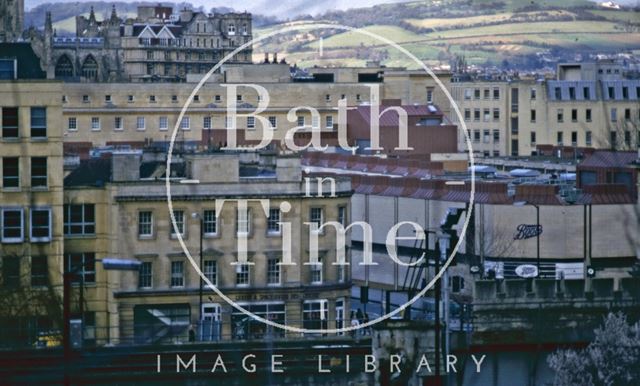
280,8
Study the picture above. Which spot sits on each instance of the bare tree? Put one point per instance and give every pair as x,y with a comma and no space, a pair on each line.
612,359
22,303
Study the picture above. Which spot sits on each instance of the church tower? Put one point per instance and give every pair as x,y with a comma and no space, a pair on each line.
11,20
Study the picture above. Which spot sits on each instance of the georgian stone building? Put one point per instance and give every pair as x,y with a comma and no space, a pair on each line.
156,46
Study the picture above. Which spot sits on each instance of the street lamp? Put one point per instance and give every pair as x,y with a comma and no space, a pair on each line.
538,230
196,215
67,277
444,240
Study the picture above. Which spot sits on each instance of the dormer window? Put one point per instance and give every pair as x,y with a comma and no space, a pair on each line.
231,29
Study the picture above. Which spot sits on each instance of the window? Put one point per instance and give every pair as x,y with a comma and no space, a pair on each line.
79,219
533,94
140,123
130,98
476,115
614,114
486,136
11,272
39,271
145,275
210,271
496,93
558,93
210,222
486,113
627,114
231,29
196,98
177,273
12,225
273,221
467,114
496,114
316,272
85,99
533,115
467,93
117,123
496,136
38,122
588,138
145,223
273,271
273,121
217,98
487,93
314,314
560,115
185,123
613,139
163,123
574,115
251,122
457,284
533,138
559,137
476,136
179,217
39,172
10,172
149,55
574,138
587,115
627,138
9,122
572,93
243,221
586,93
242,274
476,93
611,93
342,215
327,97
429,95
95,123
358,98
206,123
107,98
174,98
40,225
239,98
83,266
152,98
625,92
316,216
329,122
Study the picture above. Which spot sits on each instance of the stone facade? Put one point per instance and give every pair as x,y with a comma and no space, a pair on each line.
156,46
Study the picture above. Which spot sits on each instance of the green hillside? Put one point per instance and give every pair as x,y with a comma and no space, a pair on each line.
484,31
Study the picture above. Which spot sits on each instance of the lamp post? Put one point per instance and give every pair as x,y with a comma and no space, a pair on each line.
67,277
538,230
197,215
443,242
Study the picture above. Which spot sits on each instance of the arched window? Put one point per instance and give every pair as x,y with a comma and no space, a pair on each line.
64,67
90,68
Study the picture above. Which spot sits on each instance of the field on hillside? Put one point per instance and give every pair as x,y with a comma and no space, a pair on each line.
505,35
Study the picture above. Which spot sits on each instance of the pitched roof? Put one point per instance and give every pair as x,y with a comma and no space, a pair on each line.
92,172
610,159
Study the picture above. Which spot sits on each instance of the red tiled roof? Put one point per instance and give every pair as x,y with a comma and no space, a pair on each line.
610,159
604,194
390,118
